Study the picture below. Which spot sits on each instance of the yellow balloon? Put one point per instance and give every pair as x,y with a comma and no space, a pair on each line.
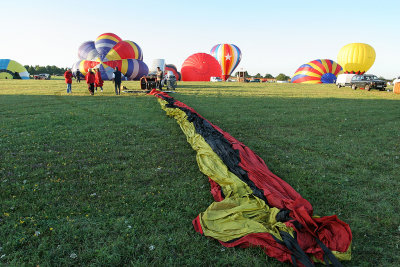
356,58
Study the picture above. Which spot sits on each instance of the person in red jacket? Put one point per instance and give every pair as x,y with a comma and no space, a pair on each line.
98,80
68,80
90,80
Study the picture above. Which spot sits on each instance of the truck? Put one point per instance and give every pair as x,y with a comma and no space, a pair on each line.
368,82
344,79
42,76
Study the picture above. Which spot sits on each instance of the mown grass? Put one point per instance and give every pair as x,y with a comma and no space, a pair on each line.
110,180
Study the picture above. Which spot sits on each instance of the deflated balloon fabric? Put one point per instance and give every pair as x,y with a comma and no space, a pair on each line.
254,207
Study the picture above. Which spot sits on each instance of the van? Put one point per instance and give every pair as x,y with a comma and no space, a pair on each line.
344,79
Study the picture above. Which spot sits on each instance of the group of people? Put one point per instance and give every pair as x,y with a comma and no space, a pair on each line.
94,80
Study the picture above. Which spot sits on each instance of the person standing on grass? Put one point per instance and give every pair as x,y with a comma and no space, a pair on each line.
117,77
90,80
160,75
78,76
68,80
98,80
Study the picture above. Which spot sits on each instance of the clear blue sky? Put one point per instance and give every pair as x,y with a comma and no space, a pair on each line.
274,36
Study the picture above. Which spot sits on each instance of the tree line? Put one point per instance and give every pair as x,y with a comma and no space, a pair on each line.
52,70
280,77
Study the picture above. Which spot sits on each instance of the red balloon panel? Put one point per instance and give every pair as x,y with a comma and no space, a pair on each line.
200,67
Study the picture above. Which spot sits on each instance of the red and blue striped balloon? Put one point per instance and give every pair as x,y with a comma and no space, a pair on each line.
318,71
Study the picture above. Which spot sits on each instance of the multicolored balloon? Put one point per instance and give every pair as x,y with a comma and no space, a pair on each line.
123,50
109,51
228,56
317,71
132,69
171,67
87,51
356,58
105,42
200,67
9,69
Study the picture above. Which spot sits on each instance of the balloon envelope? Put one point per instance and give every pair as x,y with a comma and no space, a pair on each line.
317,71
171,67
105,42
200,67
228,56
123,50
9,69
132,69
108,52
88,51
356,58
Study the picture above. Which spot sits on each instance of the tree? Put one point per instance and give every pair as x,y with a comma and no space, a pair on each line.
258,75
53,70
268,76
282,77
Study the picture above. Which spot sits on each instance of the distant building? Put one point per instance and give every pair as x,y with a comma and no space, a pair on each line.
241,76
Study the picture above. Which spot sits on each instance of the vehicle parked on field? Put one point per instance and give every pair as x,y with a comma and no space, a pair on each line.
215,79
42,76
368,82
344,79
170,80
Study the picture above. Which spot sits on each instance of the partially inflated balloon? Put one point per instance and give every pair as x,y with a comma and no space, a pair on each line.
87,51
125,49
228,56
171,67
10,69
200,67
132,69
108,52
356,58
317,71
105,42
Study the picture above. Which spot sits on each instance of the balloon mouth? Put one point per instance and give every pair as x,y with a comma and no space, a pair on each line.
328,78
354,72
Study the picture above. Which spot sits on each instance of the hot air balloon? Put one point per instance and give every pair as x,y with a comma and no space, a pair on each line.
356,58
200,67
109,51
105,42
10,69
87,51
228,56
317,71
171,67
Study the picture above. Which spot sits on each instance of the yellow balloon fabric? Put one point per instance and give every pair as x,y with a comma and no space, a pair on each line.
240,213
10,68
356,58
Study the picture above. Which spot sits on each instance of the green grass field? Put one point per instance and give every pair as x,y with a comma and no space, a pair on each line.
110,180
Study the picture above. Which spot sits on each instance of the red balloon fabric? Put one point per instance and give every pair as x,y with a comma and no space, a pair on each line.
200,67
